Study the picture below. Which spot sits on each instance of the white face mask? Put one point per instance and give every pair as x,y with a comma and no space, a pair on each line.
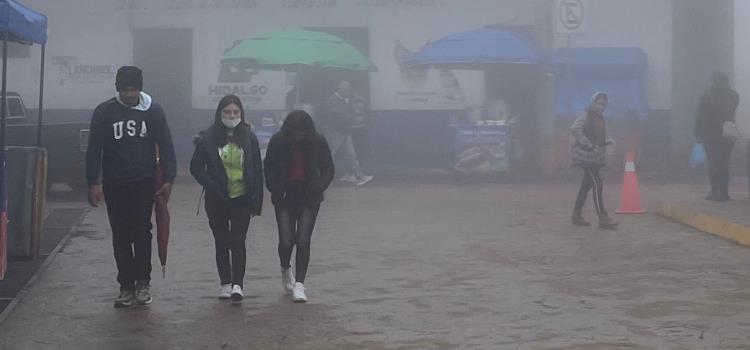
231,123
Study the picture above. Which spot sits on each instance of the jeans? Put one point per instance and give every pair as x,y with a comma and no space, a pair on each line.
343,144
295,223
129,207
229,221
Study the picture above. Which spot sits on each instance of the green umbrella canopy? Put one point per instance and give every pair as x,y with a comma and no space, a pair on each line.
296,50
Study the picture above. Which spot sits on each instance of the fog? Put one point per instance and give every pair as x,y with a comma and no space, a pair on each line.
654,58
443,152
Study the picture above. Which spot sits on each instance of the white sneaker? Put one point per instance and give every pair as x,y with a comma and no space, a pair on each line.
298,296
287,279
225,292
236,293
364,180
348,177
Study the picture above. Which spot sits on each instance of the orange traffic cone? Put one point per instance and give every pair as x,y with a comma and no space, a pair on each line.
631,195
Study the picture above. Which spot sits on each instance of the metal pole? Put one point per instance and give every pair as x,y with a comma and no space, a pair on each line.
297,87
3,106
569,76
41,99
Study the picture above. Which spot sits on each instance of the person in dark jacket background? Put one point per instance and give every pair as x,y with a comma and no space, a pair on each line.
343,118
589,150
717,106
299,168
227,163
120,167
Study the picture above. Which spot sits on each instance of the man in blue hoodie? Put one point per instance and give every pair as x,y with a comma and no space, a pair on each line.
120,168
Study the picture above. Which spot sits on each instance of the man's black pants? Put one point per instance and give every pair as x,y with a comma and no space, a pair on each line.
129,206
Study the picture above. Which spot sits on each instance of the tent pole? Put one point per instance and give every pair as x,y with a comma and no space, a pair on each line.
41,101
4,98
297,88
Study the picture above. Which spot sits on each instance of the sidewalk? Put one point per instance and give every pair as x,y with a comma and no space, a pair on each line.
685,203
61,215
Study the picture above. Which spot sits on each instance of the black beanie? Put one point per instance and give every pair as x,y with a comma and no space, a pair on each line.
129,76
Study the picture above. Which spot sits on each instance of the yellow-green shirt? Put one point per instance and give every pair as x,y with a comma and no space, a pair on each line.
233,158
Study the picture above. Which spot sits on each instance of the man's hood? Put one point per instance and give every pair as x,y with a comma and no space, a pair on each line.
143,105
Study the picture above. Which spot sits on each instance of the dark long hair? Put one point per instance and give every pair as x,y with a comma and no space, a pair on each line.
296,123
239,135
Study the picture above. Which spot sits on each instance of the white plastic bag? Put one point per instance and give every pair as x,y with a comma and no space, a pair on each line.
731,131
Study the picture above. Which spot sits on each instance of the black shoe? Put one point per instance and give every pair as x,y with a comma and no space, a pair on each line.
606,223
723,198
143,293
712,197
579,221
125,299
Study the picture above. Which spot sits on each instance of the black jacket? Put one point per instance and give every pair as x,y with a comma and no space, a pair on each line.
207,168
714,110
341,114
319,169
122,143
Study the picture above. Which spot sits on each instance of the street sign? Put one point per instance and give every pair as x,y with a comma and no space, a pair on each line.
571,16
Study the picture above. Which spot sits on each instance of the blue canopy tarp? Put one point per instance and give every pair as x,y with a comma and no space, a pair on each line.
618,71
472,49
22,23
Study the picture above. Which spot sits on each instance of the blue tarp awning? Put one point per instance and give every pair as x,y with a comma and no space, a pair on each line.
476,47
618,71
24,24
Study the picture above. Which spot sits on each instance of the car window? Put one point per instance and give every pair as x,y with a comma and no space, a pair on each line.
15,108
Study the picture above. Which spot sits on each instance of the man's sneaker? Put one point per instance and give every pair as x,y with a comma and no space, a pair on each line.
579,221
236,293
226,291
348,177
364,180
723,198
287,279
298,295
712,197
143,293
125,299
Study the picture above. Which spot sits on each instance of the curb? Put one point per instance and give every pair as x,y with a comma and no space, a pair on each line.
42,268
706,222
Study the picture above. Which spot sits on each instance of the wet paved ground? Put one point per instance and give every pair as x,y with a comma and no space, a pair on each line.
62,214
410,266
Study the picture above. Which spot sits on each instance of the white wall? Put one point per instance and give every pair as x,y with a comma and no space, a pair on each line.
86,35
643,23
97,35
86,44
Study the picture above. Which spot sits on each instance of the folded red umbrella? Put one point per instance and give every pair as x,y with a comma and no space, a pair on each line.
162,220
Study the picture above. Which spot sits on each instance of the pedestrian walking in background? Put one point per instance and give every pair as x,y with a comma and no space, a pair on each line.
227,163
299,168
716,113
342,120
121,167
589,152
